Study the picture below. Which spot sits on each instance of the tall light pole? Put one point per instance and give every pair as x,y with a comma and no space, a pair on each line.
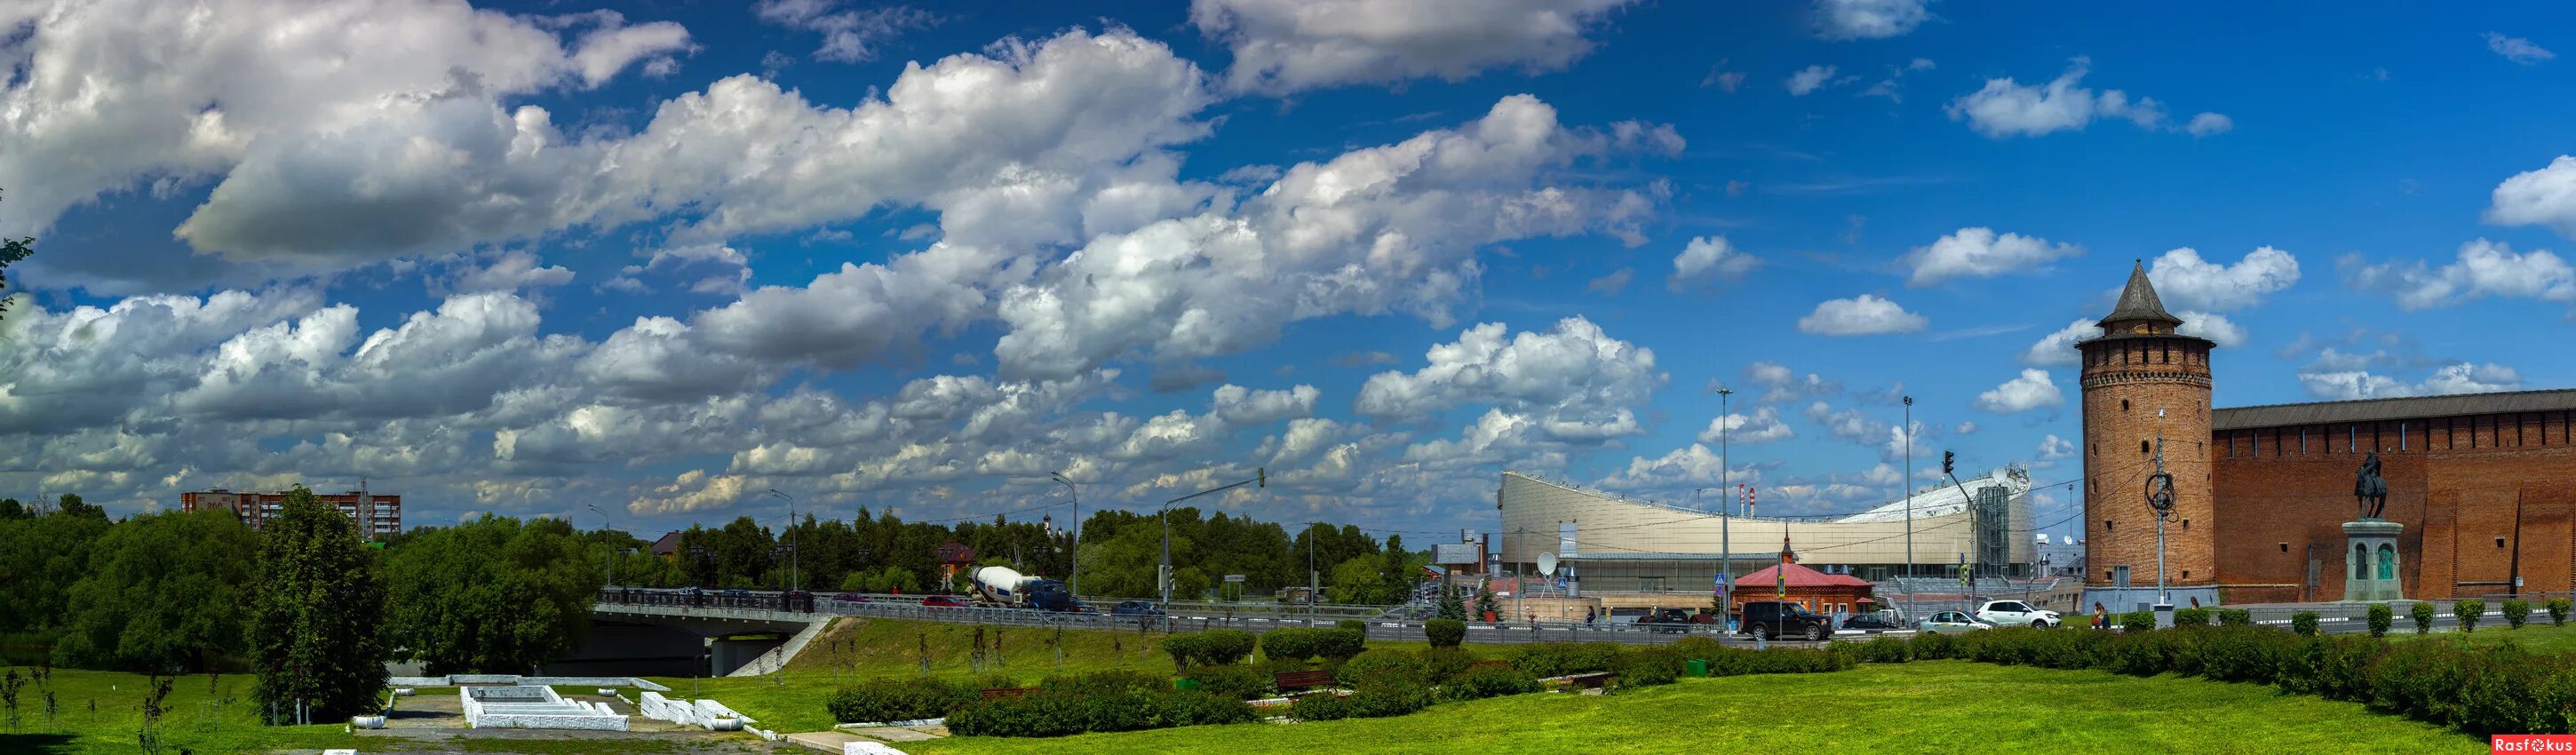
792,575
1909,504
1724,522
1073,582
604,528
1314,534
1260,478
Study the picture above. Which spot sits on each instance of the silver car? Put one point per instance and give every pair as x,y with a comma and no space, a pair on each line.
1951,622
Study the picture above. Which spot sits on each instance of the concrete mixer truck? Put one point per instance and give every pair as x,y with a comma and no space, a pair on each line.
1007,587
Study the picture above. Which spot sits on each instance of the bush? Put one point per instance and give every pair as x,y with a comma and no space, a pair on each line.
2137,621
1445,633
2557,611
1321,706
2515,612
1105,682
2468,611
2192,617
2380,617
2235,617
2238,654
1307,643
1062,711
1933,646
1548,659
1210,648
2304,623
1381,667
1489,681
900,700
1646,667
1354,625
2422,615
1439,665
1885,650
1696,646
1383,700
1233,681
1739,661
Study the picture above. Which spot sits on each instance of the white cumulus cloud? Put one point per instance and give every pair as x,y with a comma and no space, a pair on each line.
2005,107
2546,196
1283,46
1869,19
2032,390
1982,253
1860,316
1709,258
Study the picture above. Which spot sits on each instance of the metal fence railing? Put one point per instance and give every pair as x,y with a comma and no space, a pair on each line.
1179,621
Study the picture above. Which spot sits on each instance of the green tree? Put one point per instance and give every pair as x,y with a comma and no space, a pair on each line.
1485,604
72,505
1451,607
493,595
314,629
10,509
41,557
163,594
11,251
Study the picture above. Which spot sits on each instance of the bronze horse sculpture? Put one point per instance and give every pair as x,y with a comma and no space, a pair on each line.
2370,488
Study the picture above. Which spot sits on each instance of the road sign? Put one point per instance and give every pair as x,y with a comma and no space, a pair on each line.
1234,578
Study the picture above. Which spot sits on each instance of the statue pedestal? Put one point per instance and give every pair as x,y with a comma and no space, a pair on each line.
2370,561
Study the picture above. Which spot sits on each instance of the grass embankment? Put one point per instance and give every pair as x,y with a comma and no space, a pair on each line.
191,722
857,649
2536,636
1925,706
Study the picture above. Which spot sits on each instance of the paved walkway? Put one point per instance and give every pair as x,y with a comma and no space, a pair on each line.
832,741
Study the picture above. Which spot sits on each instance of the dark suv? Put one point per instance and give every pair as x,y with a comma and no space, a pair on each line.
1765,619
1666,620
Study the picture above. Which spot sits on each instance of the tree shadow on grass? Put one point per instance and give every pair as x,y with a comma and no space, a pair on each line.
46,744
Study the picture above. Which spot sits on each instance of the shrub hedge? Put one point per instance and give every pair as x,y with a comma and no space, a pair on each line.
1547,659
1439,665
2304,623
1060,711
900,699
2558,611
2235,617
1304,643
2516,611
1375,701
2422,615
1488,681
1445,633
1234,681
1647,667
1210,648
2137,621
2468,611
1381,667
2192,617
2380,617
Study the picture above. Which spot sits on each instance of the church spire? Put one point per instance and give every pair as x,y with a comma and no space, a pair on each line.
2138,302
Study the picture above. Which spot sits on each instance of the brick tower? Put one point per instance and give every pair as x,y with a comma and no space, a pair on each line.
2140,378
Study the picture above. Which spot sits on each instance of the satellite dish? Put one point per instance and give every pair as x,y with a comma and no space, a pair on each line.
1547,564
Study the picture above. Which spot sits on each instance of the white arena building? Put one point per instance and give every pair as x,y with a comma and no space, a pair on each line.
1614,543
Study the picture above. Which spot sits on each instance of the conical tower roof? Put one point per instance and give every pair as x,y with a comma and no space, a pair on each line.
2138,301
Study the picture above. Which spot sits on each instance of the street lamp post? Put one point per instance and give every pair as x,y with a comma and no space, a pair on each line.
1260,478
1725,521
604,527
1909,504
1314,533
1073,582
792,575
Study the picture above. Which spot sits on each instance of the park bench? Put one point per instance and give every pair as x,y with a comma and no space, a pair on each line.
1589,681
998,693
1302,680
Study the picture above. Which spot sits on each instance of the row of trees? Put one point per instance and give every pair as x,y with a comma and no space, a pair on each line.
164,592
1120,553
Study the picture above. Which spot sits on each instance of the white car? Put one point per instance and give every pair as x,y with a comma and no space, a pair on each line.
2014,613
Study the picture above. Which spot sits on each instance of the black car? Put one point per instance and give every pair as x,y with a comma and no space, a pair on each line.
1765,619
1666,621
1136,608
1873,621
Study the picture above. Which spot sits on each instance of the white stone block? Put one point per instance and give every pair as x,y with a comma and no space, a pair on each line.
868,748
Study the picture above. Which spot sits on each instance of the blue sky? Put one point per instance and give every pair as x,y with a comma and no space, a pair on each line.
660,258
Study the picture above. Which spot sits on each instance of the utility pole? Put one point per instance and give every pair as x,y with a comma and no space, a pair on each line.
1073,582
1909,505
1313,534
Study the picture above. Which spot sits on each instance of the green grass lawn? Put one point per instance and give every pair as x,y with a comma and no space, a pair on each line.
2536,635
1927,706
191,723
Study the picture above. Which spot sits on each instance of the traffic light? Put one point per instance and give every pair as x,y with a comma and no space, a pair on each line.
1947,459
